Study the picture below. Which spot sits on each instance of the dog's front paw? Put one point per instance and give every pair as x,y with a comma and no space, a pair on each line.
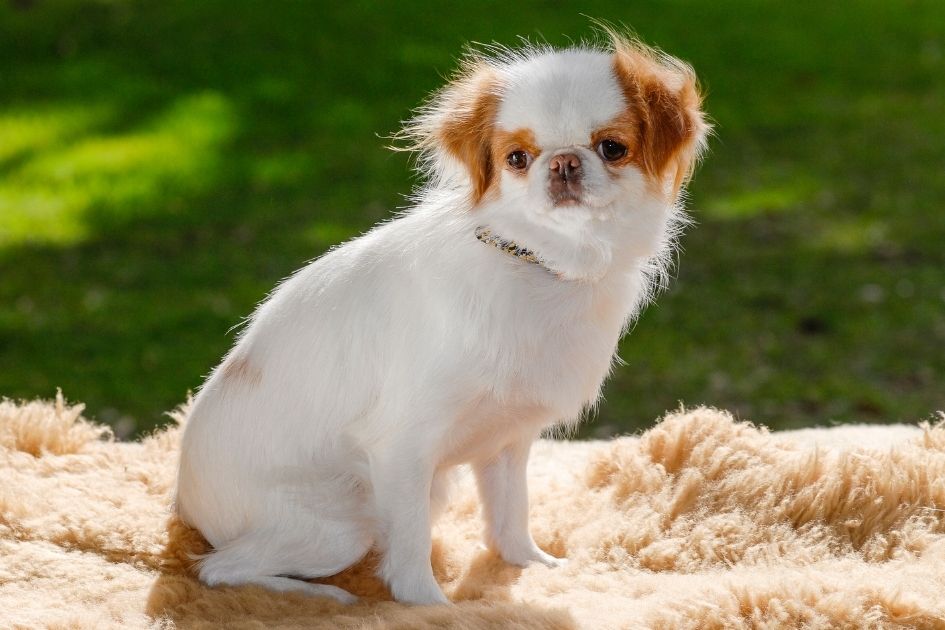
531,555
419,588
549,560
420,597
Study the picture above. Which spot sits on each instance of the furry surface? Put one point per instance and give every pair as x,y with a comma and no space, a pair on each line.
700,522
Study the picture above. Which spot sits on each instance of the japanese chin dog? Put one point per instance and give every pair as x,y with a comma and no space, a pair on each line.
452,334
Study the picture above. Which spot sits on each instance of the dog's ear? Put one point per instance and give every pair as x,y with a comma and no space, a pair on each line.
664,96
467,131
458,122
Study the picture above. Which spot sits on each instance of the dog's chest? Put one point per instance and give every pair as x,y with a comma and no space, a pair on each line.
545,382
557,358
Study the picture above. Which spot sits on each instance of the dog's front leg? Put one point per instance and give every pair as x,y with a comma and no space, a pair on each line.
503,489
402,479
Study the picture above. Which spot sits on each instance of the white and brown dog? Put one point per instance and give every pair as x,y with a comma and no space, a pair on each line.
453,334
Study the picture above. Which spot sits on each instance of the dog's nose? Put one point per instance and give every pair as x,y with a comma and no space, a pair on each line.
567,165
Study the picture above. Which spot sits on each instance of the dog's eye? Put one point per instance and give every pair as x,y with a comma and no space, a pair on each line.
611,150
518,160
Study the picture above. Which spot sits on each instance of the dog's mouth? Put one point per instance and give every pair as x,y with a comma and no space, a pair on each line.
565,199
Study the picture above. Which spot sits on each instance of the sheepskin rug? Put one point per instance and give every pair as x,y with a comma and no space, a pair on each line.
700,522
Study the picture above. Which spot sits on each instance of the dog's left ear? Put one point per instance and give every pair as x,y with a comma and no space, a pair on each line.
664,96
459,121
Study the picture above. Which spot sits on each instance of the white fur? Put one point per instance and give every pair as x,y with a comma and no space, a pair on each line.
369,373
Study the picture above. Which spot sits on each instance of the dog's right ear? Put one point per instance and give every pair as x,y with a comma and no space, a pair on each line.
458,123
467,129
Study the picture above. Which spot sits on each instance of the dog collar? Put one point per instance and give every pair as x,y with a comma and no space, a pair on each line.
511,248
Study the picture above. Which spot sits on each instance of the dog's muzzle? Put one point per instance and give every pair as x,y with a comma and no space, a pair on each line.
564,183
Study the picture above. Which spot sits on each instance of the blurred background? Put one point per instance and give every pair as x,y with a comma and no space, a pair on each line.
163,164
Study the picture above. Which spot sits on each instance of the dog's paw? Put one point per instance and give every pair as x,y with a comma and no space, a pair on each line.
550,561
427,597
422,591
326,590
340,595
525,557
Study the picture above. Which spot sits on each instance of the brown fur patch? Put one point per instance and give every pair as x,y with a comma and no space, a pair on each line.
504,142
467,132
239,369
664,100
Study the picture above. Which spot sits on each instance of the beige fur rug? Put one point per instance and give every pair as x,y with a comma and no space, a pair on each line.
701,522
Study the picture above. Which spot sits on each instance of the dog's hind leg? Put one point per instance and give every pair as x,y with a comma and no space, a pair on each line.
265,558
286,584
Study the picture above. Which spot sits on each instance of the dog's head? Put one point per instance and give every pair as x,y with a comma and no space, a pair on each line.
563,138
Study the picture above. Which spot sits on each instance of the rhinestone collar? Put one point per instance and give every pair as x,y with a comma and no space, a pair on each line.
511,248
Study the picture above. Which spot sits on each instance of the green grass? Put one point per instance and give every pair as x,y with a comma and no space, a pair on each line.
162,165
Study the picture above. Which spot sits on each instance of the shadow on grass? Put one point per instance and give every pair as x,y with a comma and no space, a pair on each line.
146,207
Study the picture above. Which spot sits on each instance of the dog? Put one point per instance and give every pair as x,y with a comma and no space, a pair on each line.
452,334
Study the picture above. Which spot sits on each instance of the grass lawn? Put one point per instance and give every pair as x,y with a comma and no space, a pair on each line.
163,164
